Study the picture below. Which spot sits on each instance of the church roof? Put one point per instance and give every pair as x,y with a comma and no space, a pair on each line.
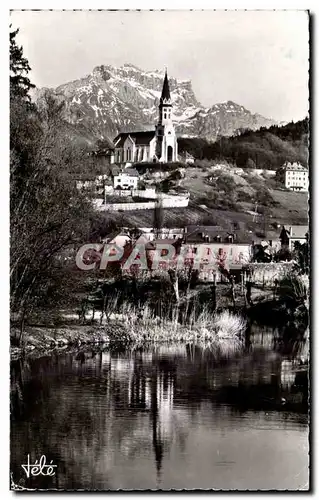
166,96
140,138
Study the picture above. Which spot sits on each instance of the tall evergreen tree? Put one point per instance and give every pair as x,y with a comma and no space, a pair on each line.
20,84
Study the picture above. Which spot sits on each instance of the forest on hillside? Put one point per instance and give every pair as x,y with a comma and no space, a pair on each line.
266,148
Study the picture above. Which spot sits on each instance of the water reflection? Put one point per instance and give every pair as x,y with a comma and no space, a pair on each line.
174,416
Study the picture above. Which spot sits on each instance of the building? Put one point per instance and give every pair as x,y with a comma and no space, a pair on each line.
118,238
103,153
296,177
291,234
215,245
158,145
186,157
124,178
208,234
162,233
94,184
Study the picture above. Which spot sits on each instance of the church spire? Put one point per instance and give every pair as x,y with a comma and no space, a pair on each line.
166,96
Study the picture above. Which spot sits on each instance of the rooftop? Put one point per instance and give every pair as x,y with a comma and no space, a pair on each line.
298,231
295,167
142,138
131,172
214,234
151,245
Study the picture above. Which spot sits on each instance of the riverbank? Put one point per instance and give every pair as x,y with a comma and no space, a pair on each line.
224,330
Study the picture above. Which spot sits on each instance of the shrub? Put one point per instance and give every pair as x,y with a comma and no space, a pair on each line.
294,287
243,196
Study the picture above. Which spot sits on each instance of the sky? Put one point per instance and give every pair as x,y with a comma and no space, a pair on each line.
258,59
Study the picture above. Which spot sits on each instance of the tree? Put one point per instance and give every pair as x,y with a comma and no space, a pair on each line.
261,254
47,213
250,164
20,84
283,255
301,255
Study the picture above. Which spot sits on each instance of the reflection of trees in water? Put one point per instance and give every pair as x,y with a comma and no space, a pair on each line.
108,408
288,339
84,417
62,423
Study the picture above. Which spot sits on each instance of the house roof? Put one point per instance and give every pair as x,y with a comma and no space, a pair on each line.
142,138
197,234
298,231
295,166
131,172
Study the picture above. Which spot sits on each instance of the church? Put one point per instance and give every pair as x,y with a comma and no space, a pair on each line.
159,145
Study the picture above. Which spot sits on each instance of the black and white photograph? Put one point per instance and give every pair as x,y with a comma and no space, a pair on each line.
159,250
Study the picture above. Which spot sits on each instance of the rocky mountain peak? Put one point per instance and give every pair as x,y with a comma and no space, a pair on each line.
113,99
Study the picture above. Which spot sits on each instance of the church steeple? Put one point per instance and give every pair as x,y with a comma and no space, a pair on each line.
166,142
166,96
165,105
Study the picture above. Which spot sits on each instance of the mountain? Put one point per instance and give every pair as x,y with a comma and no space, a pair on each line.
113,99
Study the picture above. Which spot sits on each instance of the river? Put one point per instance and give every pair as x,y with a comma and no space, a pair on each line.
171,416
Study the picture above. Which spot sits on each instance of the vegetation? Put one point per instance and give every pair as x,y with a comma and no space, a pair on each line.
50,219
48,214
217,328
266,148
157,167
128,324
294,288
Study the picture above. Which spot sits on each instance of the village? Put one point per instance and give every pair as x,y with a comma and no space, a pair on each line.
159,250
135,171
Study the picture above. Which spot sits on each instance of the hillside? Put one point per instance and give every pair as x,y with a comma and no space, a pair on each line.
250,203
110,100
264,148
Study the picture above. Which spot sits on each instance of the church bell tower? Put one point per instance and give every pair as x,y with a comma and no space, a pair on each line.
166,142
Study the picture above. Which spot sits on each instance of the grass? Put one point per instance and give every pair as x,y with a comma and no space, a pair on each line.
225,330
288,207
129,326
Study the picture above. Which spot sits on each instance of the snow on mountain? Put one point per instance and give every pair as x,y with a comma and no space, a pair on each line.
112,99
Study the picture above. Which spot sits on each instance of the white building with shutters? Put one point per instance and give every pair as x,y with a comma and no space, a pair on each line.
296,177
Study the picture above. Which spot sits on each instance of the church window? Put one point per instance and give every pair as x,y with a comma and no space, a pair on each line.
164,115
